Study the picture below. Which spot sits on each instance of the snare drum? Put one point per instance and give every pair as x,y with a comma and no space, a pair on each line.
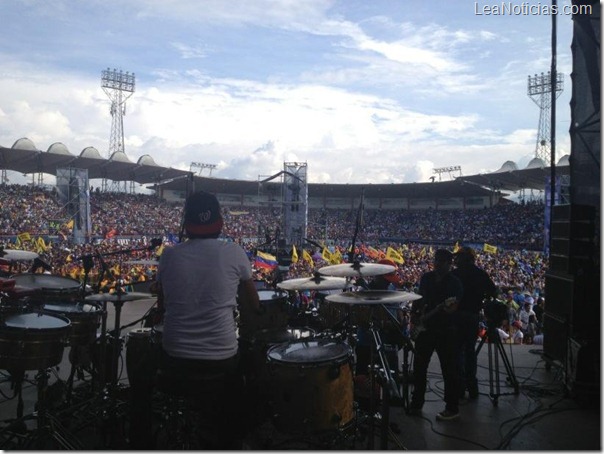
275,314
253,354
312,383
55,288
85,320
32,341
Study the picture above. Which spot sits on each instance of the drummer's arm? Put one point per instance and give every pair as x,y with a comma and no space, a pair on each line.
248,295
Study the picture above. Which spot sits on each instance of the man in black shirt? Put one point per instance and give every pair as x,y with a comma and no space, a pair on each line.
434,313
477,285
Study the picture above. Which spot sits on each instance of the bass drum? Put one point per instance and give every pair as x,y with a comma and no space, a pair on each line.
32,341
313,386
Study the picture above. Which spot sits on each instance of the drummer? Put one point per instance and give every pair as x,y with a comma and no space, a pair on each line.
200,280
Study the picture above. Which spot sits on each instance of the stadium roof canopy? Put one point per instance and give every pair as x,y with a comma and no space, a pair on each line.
24,157
509,178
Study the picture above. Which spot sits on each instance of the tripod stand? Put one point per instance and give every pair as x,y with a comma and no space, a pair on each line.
495,352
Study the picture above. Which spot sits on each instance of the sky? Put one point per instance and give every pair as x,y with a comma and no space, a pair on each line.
379,91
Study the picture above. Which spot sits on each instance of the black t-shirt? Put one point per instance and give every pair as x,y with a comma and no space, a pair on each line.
435,289
477,285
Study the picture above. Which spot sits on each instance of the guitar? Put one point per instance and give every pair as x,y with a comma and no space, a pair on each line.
449,305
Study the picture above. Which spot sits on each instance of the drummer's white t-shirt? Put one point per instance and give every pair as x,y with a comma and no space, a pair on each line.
199,279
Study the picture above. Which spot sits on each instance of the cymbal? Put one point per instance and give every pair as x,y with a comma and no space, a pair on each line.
356,269
16,255
143,262
313,283
372,297
113,297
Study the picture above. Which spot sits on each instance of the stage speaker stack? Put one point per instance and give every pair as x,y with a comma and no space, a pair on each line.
571,323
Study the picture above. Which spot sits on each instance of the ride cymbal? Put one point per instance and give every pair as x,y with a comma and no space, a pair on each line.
356,269
372,297
15,255
313,283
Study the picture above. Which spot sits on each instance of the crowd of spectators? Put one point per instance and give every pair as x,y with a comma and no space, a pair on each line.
516,229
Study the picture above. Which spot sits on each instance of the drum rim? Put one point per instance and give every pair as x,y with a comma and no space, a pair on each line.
96,310
279,295
4,326
49,277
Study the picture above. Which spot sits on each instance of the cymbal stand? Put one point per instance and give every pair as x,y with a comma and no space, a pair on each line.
496,350
408,347
386,382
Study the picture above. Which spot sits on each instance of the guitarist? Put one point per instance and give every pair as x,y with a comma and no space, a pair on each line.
441,292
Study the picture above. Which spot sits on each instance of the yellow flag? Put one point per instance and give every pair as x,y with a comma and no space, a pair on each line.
25,236
69,225
394,255
326,254
489,248
456,247
306,256
294,254
336,258
160,250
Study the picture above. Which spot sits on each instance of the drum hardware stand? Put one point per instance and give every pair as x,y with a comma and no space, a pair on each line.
387,384
495,350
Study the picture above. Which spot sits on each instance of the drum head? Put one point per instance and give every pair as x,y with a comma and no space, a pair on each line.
278,336
46,281
140,332
310,352
35,322
266,296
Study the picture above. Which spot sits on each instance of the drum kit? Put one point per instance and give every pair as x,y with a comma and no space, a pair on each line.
41,315
306,378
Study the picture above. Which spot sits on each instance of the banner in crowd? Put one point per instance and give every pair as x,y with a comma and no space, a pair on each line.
294,254
394,255
489,248
306,257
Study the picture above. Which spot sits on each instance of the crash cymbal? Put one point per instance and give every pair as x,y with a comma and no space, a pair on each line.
372,297
16,255
132,296
356,269
143,262
313,283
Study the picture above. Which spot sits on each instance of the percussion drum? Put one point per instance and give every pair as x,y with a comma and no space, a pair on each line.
312,383
32,341
275,308
85,320
54,288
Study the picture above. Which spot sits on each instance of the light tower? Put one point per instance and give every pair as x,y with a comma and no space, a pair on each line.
539,90
118,86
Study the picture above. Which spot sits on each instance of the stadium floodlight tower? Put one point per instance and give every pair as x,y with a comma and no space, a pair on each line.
539,90
118,86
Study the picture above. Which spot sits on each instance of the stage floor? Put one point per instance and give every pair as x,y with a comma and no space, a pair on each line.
541,416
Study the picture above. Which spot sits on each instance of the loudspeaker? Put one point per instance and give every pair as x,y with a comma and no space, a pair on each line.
556,332
572,247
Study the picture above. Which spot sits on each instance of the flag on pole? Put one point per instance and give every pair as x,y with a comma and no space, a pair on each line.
69,224
294,254
25,236
456,247
394,255
326,254
306,256
265,260
489,248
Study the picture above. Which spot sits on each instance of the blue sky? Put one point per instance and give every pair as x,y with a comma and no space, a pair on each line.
379,91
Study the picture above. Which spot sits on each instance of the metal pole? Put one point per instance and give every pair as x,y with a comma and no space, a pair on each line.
553,82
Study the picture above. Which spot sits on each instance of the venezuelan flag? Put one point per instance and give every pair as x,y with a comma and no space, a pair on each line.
265,260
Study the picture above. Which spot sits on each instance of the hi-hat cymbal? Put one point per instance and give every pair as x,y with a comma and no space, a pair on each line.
16,255
113,297
143,262
372,297
313,283
356,269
